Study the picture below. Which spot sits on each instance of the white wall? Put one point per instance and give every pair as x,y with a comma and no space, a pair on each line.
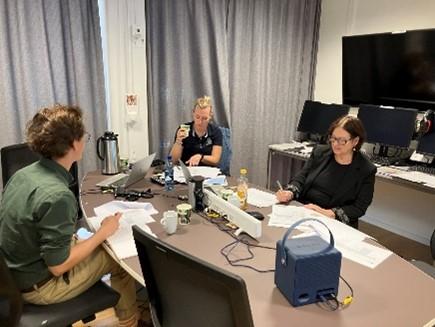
399,209
126,73
353,17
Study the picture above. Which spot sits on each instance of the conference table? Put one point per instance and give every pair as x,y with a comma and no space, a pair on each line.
395,293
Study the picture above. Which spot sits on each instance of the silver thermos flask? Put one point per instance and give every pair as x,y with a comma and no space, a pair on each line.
196,193
108,152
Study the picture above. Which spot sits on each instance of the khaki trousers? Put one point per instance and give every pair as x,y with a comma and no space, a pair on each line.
83,276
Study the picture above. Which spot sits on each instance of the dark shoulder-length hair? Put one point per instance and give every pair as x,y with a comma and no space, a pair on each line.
353,126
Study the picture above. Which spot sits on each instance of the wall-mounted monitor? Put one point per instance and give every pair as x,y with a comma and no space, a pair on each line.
388,126
316,117
392,69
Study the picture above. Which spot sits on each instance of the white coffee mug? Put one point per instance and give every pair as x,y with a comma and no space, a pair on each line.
170,221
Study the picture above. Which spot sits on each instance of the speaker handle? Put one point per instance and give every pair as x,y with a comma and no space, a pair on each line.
292,227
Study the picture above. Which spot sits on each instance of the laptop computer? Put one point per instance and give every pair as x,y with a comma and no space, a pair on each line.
185,170
138,172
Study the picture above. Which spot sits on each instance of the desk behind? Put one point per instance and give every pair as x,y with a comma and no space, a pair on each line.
408,213
394,294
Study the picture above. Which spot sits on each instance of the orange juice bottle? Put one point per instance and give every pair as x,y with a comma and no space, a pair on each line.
242,188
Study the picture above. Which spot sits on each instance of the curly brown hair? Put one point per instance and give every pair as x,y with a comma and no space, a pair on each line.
52,131
353,126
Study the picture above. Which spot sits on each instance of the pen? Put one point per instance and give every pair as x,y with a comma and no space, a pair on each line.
279,185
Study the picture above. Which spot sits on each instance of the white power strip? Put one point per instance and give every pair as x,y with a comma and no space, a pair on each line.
238,217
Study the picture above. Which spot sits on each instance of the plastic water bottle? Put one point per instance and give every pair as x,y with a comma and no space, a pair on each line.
169,174
242,188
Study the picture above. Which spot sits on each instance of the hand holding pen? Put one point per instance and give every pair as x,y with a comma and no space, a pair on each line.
282,195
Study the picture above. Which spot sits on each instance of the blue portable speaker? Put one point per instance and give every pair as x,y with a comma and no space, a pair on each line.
306,268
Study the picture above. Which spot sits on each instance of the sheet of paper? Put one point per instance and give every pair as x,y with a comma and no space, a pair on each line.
140,210
133,213
363,253
285,216
219,180
260,198
122,242
356,250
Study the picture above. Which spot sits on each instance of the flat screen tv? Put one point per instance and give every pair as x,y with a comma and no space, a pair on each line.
390,69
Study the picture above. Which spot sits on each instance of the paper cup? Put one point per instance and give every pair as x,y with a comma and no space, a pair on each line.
186,128
184,212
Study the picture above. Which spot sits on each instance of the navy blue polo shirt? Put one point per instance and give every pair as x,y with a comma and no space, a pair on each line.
193,144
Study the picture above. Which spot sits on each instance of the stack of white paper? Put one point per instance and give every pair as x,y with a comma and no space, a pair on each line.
133,213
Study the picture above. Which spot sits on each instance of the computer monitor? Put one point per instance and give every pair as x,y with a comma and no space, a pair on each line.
316,117
426,144
186,291
388,126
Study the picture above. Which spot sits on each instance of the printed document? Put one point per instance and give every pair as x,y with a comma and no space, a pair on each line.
349,241
260,198
284,215
133,213
356,250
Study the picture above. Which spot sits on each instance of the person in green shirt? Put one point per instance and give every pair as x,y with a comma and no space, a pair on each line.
38,216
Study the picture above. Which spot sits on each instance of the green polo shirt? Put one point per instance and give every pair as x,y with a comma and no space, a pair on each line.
37,220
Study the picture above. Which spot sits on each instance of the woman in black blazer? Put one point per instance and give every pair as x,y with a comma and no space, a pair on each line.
337,180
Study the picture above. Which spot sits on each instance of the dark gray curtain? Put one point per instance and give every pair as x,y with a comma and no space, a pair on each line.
271,60
50,52
262,52
187,58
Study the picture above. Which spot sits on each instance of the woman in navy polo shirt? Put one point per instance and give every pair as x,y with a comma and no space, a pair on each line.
199,142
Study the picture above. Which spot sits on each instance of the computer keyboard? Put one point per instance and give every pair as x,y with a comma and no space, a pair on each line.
423,169
115,180
383,161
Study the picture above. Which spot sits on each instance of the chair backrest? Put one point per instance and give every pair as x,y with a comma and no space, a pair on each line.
186,291
14,157
17,156
227,151
11,303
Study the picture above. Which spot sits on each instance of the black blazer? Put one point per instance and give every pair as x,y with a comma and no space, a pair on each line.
353,195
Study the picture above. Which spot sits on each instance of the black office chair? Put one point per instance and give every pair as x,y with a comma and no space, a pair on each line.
423,266
14,312
17,156
186,291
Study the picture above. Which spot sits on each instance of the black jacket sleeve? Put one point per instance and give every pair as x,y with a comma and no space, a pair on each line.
296,185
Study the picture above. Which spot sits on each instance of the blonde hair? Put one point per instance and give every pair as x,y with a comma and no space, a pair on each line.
203,102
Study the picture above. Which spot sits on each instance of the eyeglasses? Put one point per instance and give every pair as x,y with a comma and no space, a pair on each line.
203,119
87,136
338,140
